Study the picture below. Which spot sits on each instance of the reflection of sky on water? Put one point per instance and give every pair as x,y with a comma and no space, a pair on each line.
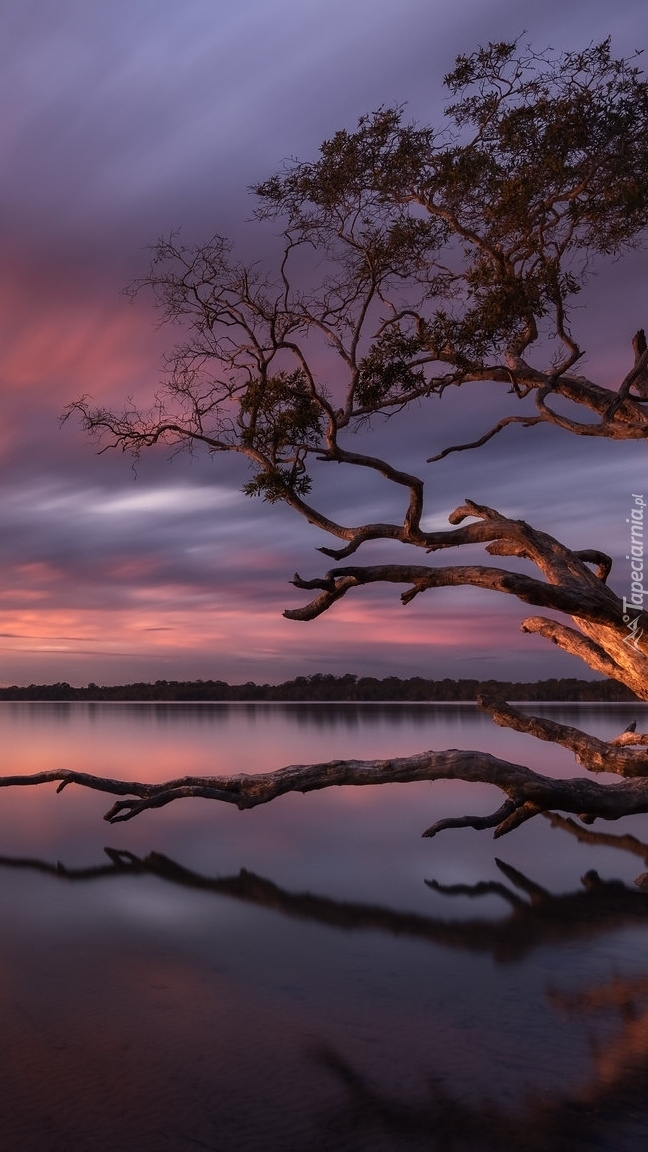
157,1011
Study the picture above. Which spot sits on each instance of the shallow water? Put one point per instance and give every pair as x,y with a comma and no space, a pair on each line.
310,975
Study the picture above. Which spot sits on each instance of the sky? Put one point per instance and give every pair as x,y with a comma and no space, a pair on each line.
124,121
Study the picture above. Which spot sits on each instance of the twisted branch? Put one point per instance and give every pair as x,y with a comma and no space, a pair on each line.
528,792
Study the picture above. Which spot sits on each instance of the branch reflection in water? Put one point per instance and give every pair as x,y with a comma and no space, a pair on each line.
607,1108
598,907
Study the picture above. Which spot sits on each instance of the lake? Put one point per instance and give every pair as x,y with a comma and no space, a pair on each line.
312,975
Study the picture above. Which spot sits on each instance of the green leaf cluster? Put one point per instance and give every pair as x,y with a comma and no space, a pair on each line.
281,419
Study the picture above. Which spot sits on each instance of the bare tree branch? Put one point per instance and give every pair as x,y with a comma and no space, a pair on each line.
594,754
528,792
525,421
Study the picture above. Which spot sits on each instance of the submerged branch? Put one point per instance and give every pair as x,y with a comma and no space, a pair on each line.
594,754
625,843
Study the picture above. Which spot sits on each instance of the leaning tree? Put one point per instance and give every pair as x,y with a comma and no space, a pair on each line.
416,260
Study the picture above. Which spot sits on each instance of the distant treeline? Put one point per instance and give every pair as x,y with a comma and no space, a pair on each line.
327,687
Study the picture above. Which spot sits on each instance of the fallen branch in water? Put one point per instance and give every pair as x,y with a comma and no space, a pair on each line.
626,755
527,793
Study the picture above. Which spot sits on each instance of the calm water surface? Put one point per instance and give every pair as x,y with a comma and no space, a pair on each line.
311,975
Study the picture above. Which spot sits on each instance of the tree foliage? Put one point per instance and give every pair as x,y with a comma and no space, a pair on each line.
441,256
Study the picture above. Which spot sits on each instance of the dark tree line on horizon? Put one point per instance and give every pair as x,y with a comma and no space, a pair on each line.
327,687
